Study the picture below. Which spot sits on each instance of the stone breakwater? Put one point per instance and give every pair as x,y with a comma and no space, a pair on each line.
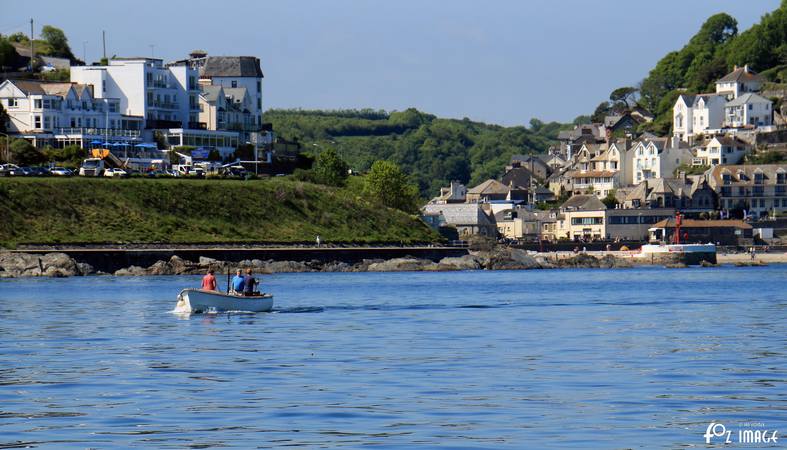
14,265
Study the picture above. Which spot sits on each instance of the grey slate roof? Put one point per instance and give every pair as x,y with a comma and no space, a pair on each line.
739,73
210,92
460,213
583,203
232,66
747,98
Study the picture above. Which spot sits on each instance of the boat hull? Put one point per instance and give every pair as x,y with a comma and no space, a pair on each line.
199,301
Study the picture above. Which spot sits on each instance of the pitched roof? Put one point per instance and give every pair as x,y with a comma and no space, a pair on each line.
741,74
231,66
236,94
210,92
29,87
731,141
489,187
459,213
743,174
590,173
583,203
692,223
746,98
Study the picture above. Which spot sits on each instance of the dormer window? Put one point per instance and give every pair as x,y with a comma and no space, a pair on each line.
758,178
726,178
781,178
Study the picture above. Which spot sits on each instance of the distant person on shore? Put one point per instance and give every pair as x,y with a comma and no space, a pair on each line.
237,282
209,281
318,240
249,283
753,253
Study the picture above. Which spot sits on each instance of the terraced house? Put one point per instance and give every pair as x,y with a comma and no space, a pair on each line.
758,190
60,114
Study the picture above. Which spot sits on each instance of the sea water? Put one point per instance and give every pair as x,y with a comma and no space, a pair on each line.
624,358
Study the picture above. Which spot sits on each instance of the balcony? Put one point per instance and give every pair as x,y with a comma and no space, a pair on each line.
164,105
198,126
159,123
112,132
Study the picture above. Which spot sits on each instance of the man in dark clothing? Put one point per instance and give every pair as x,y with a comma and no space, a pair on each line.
249,283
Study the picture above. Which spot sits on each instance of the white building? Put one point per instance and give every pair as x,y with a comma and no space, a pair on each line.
738,82
653,158
748,110
693,114
721,150
165,96
64,113
232,72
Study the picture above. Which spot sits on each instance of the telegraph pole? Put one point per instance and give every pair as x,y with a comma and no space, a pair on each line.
32,49
104,41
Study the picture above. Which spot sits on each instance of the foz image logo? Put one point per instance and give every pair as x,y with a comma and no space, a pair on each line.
746,435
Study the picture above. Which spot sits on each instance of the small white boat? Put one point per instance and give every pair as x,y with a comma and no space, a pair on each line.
200,301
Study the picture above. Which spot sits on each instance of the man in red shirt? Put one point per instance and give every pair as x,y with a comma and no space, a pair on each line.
209,281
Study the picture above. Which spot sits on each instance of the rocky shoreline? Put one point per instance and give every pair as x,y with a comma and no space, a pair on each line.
15,265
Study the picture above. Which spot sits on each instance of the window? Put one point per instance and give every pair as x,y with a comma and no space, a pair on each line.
37,104
587,220
234,83
726,191
46,122
47,104
781,178
758,178
37,122
12,103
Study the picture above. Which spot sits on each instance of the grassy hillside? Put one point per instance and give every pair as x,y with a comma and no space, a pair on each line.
53,210
433,150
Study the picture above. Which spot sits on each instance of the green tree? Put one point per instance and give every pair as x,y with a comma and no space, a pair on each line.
7,52
57,40
625,97
23,152
329,169
3,119
388,185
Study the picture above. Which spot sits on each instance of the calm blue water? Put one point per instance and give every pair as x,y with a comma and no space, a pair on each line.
564,358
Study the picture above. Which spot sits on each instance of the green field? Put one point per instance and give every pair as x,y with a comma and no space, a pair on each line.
113,211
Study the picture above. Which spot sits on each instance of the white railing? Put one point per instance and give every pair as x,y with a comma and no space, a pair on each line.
114,132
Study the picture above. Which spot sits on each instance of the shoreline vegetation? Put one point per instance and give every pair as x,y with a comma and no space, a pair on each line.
20,265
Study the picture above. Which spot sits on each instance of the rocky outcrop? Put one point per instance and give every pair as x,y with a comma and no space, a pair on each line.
14,265
132,271
507,259
467,262
403,265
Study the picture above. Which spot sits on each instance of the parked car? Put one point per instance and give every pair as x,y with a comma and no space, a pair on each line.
21,172
39,171
61,172
115,173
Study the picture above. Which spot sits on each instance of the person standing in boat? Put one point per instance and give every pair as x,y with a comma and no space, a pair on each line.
249,283
209,281
237,282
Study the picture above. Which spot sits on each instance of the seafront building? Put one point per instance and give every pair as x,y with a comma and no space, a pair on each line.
203,102
66,113
757,190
